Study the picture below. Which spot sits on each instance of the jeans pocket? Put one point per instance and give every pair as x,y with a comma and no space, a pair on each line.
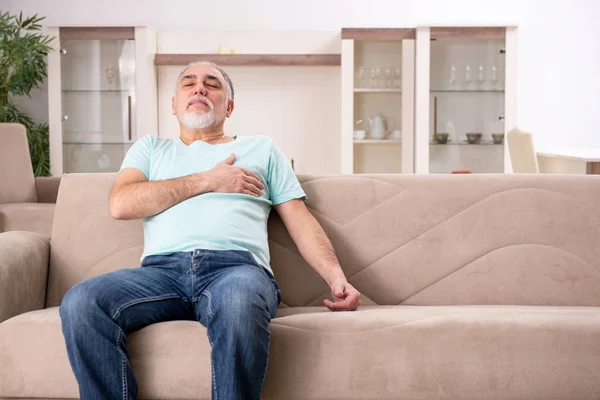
158,260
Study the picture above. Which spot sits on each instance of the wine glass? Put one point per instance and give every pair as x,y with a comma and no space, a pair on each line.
398,77
452,80
375,73
110,75
388,77
480,75
494,77
468,76
361,76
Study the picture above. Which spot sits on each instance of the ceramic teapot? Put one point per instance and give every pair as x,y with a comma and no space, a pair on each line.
379,126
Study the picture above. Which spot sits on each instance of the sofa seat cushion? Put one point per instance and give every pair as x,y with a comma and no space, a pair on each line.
378,352
30,217
170,360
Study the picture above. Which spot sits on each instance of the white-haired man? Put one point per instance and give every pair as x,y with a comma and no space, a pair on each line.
204,198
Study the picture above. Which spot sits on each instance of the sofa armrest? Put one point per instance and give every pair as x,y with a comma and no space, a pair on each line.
47,188
24,258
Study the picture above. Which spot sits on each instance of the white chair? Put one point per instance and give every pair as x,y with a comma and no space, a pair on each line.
522,152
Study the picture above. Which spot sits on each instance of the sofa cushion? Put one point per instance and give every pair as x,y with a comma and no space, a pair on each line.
35,364
401,239
17,183
430,352
23,272
380,352
31,217
86,240
47,188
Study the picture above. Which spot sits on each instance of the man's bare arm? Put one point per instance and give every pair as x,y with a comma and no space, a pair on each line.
315,247
133,196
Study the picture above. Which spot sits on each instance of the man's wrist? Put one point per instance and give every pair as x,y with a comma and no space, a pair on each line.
336,278
200,183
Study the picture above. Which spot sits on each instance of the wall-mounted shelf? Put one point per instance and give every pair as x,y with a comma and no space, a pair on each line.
378,33
251,59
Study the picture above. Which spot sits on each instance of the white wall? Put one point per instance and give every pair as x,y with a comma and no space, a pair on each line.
559,82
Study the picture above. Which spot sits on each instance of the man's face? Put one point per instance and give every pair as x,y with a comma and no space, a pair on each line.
201,98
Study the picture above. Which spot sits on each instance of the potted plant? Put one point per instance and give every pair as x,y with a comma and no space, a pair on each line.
23,51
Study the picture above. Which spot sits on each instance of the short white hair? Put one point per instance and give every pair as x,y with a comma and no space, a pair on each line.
228,82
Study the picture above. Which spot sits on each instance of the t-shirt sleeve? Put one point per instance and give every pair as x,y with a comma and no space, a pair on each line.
282,182
139,155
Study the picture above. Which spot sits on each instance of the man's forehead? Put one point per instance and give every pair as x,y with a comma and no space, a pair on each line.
200,71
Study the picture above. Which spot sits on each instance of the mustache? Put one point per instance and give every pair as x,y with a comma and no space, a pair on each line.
203,99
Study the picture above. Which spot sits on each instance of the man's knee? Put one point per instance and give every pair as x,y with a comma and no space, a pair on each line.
246,295
81,301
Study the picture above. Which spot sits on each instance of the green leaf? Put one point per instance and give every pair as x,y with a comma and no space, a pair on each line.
39,148
23,51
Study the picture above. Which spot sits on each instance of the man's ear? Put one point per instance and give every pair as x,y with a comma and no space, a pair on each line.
230,107
173,105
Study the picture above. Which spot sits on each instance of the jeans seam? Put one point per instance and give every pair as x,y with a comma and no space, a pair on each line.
117,313
212,366
124,365
262,381
207,294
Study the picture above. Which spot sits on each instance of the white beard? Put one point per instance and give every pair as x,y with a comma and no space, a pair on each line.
201,119
197,120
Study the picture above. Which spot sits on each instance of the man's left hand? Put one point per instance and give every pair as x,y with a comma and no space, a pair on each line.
345,297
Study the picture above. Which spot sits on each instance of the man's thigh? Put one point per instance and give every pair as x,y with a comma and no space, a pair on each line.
238,289
136,297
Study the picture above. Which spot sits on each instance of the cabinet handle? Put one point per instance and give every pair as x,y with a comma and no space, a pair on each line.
435,107
64,118
129,115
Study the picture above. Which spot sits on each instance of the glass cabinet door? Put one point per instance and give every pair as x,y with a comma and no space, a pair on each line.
466,104
98,103
377,106
377,100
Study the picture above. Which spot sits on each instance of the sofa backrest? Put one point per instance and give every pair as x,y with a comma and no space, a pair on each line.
17,184
402,239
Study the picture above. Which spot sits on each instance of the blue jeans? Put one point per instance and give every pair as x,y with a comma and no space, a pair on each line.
226,291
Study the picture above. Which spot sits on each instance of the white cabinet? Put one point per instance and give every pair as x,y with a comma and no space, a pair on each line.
102,95
447,93
465,98
377,100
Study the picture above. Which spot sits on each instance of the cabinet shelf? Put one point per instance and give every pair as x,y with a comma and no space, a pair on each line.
377,141
97,91
375,90
252,59
466,144
98,143
466,91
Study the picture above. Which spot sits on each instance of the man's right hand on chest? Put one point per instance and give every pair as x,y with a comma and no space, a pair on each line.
228,178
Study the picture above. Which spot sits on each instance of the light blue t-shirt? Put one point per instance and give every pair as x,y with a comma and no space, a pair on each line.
216,221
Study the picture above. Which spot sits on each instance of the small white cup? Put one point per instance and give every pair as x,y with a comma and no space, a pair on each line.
396,134
360,135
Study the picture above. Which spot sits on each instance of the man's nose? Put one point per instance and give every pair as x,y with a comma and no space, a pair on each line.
200,89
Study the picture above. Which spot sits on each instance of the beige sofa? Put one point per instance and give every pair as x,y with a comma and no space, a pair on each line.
26,202
474,287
